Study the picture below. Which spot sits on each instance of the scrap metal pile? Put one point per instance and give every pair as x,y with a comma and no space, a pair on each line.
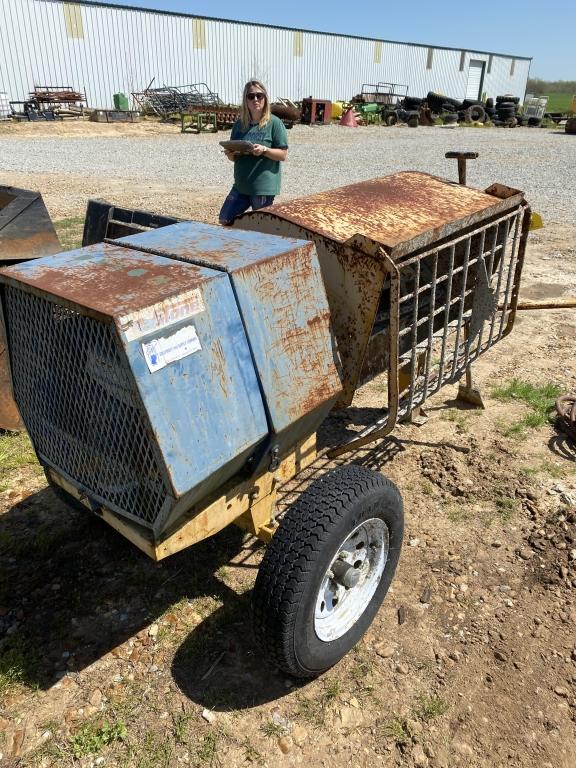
50,102
176,99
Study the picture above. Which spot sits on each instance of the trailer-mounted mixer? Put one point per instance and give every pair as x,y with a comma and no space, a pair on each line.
172,381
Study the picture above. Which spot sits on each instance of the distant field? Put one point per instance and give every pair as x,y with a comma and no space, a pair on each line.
559,102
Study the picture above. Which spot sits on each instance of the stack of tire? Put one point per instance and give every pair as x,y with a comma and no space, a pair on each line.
507,111
472,112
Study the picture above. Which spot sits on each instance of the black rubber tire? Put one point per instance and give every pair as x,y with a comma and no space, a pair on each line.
412,102
476,113
507,99
391,119
534,122
301,550
412,121
450,118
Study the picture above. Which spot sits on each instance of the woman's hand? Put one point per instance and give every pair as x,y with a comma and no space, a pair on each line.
230,155
258,150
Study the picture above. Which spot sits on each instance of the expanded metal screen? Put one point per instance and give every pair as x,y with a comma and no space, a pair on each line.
453,304
78,402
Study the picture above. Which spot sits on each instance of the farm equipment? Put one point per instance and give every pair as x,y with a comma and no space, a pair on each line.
26,232
173,380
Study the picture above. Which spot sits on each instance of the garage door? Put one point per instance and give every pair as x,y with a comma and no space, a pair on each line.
475,72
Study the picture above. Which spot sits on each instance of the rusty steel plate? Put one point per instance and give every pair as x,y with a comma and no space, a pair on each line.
398,213
26,229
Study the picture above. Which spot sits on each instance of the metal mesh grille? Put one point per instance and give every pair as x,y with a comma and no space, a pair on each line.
454,304
79,405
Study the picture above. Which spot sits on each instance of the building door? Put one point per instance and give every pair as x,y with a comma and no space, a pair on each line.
475,78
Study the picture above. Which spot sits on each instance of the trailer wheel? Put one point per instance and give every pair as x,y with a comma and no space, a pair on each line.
327,569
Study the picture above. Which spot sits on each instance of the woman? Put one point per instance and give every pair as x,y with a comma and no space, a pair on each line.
256,173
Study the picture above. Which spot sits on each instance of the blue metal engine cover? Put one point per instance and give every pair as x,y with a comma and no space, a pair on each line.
133,376
283,304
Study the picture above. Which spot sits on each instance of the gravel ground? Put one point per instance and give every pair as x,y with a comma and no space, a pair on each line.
538,161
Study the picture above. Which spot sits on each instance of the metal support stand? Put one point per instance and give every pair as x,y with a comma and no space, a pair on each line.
466,392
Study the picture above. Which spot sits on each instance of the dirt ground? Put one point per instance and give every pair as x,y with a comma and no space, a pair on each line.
109,659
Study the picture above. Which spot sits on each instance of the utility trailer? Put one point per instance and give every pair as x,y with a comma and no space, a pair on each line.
172,381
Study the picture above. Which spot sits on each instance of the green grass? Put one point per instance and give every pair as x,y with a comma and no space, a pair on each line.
395,728
429,707
273,730
15,451
538,397
70,232
207,750
93,735
17,660
559,102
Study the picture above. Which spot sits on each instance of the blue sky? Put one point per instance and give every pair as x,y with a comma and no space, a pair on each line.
547,34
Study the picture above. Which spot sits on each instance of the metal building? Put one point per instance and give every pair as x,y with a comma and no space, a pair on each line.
101,49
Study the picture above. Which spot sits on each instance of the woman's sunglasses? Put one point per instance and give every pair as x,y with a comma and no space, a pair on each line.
252,96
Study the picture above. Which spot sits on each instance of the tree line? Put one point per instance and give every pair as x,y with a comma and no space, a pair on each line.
545,87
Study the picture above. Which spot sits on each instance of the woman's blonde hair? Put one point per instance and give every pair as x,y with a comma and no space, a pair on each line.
245,112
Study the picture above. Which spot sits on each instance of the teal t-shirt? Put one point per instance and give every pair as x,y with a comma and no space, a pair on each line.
259,175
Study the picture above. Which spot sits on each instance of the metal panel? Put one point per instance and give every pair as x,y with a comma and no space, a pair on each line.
365,234
122,49
399,213
131,434
281,296
26,229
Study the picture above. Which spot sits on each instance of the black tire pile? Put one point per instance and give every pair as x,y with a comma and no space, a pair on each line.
503,111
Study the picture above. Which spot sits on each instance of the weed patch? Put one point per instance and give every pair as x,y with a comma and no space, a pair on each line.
429,707
538,397
92,736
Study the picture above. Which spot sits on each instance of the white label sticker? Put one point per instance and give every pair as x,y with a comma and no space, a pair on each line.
158,353
161,315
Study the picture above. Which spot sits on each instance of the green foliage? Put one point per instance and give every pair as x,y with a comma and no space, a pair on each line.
207,751
429,707
17,659
543,87
538,397
273,730
395,728
93,735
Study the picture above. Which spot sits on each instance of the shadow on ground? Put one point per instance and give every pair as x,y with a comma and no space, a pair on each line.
72,589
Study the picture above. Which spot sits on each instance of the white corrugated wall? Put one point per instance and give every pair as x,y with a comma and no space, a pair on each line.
102,50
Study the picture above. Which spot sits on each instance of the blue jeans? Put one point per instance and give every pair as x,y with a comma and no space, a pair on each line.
236,203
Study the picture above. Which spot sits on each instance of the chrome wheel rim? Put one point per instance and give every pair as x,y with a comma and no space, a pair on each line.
351,579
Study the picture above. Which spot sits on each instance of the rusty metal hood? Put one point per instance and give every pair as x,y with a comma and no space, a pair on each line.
398,213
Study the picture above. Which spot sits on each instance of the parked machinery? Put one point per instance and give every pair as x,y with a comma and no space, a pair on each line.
183,372
316,111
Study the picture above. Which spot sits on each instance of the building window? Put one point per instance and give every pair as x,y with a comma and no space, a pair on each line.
489,68
512,67
298,43
377,51
430,57
73,20
462,60
198,33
